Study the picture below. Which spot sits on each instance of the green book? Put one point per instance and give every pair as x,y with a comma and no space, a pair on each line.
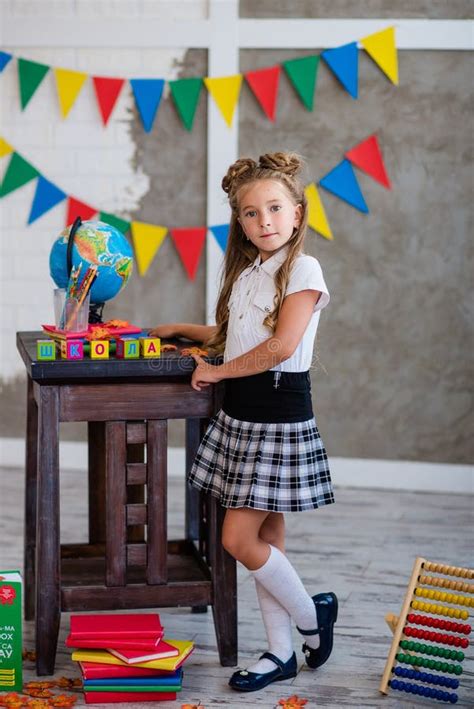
132,688
11,644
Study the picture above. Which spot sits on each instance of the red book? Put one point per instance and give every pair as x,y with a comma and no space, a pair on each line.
108,625
115,697
140,644
94,670
133,656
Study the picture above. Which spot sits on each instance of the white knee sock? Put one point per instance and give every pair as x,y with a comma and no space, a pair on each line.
280,579
277,624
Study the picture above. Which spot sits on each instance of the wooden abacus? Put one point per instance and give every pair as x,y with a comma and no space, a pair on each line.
406,655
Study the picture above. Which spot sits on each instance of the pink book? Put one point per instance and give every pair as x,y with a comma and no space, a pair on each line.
133,656
115,697
108,625
140,644
95,670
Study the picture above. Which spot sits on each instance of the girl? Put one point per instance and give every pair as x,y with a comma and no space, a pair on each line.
262,454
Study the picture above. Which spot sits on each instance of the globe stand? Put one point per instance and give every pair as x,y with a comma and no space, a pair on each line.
95,313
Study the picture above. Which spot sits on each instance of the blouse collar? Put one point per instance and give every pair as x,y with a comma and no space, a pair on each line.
272,264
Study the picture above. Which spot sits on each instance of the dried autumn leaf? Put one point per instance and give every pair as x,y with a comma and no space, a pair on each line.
29,655
117,323
63,700
38,692
168,348
39,685
293,702
188,351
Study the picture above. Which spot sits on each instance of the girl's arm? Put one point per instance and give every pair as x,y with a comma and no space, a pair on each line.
198,333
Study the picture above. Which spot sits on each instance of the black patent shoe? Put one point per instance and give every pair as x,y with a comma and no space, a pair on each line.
245,681
326,612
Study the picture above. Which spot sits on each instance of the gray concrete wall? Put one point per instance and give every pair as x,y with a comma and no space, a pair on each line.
394,372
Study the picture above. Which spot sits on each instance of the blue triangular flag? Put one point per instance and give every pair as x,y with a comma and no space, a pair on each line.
147,94
46,197
221,233
342,182
344,62
4,59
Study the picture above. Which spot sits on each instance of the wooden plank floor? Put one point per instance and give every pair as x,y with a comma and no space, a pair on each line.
363,548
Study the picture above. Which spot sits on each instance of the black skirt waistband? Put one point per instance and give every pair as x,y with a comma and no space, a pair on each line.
269,397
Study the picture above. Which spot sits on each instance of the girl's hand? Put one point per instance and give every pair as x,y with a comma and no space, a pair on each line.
204,374
164,331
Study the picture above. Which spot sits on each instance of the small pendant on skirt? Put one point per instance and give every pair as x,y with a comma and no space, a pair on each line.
276,379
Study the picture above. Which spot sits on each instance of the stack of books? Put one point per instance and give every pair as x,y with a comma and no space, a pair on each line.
124,658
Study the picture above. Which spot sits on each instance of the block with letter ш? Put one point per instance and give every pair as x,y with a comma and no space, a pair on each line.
45,350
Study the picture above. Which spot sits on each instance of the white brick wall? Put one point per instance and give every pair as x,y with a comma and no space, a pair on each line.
78,154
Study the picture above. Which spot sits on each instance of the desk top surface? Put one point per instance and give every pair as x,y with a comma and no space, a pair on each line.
169,364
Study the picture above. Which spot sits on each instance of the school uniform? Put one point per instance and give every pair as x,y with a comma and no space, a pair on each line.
263,449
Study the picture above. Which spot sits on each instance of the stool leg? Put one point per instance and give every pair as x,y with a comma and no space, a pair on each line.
31,472
48,555
224,582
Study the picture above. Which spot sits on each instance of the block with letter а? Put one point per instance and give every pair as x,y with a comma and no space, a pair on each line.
99,349
45,349
127,348
150,346
72,349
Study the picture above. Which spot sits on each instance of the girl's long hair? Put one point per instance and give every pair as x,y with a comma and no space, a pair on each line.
240,252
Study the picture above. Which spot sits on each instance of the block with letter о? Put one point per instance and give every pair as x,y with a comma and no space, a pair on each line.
127,348
45,349
99,349
150,346
72,349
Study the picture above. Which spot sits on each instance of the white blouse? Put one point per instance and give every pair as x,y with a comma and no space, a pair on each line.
251,300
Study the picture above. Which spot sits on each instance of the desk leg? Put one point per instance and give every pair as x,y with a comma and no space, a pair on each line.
31,466
96,456
224,582
48,556
195,429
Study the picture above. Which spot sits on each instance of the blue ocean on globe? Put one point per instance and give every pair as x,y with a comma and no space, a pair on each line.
95,243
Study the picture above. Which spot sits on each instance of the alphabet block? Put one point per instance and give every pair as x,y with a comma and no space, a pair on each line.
72,349
45,350
150,346
99,349
127,348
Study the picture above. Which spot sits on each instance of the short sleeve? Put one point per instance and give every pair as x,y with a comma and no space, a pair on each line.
308,275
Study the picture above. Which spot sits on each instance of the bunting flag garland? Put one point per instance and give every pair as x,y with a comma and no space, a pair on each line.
342,182
225,91
75,208
221,234
4,59
147,239
46,197
18,173
264,84
317,219
147,94
5,148
381,47
68,84
186,93
189,243
367,156
344,63
302,74
30,76
121,224
107,92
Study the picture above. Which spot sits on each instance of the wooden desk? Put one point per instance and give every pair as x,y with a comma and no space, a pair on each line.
126,403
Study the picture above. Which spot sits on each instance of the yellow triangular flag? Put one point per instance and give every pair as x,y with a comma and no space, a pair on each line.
147,239
68,84
316,215
382,49
5,148
225,91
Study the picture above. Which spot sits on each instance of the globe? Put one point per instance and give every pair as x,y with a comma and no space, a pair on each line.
95,243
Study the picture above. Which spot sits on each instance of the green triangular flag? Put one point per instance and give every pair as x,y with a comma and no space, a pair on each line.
30,75
185,93
18,173
302,74
120,224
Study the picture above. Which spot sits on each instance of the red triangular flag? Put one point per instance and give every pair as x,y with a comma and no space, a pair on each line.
264,84
367,157
189,243
78,209
107,91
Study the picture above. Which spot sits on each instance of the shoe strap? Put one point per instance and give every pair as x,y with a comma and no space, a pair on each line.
309,632
273,658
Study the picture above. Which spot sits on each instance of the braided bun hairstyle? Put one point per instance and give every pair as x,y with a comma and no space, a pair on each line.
282,167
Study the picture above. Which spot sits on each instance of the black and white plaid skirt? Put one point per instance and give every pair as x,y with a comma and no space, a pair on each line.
277,466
